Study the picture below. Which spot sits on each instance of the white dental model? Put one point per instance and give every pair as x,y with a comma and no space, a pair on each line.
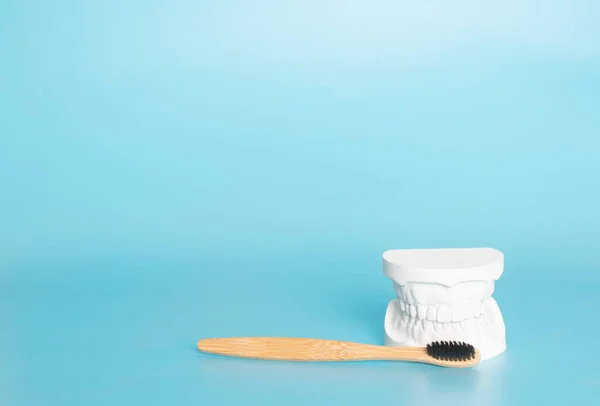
445,295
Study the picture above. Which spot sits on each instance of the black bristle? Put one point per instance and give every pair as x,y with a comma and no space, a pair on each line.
451,351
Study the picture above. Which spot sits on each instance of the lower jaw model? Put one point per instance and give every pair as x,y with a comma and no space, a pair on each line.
445,295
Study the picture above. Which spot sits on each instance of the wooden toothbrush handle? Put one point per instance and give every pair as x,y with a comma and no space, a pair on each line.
307,349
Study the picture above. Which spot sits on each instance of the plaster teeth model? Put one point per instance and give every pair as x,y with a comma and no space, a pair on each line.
445,295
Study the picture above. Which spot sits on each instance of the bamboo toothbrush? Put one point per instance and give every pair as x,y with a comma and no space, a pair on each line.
442,353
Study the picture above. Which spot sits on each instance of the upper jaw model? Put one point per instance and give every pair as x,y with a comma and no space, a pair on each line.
445,295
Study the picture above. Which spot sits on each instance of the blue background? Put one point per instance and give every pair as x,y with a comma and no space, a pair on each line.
172,170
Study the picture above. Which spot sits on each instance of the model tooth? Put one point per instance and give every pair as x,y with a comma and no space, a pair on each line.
427,325
447,326
411,329
413,310
460,312
403,332
415,332
444,314
421,334
404,318
405,293
430,313
436,326
455,325
402,306
398,307
457,313
422,310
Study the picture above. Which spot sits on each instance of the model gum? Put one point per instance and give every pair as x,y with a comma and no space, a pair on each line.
445,295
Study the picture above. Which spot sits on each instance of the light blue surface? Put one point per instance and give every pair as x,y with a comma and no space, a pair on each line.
177,170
